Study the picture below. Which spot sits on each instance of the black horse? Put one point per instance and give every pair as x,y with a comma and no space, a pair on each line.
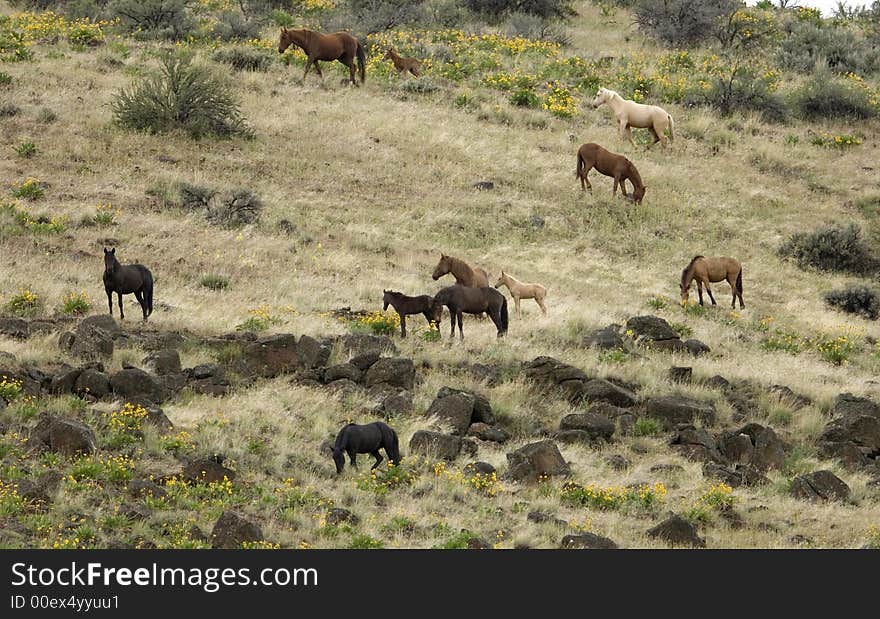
465,300
127,279
356,439
404,306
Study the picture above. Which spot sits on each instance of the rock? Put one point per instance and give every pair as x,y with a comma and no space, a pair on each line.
735,476
92,382
163,362
676,409
344,370
536,460
399,403
146,488
651,328
454,410
717,382
354,344
231,530
597,426
696,444
847,452
134,384
673,346
678,374
207,470
392,371
14,328
600,390
819,486
269,357
339,515
479,468
91,344
476,543
543,517
157,418
365,361
617,462
32,492
482,408
105,322
207,370
696,347
737,447
847,404
769,450
536,221
484,185
65,381
435,444
550,371
587,541
606,339
677,531
666,468
785,394
65,436
485,432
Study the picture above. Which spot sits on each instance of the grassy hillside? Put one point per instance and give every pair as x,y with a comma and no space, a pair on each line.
363,188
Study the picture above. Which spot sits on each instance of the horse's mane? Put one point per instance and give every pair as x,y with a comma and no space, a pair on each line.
635,177
455,260
689,268
338,442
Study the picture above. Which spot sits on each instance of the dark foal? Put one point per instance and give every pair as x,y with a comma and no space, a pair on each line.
369,438
465,300
127,279
405,306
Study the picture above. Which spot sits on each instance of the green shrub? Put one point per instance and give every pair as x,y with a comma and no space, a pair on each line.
647,426
75,304
744,88
5,79
29,189
859,300
181,96
234,26
833,248
823,97
195,197
523,97
362,541
46,116
25,304
681,23
159,19
26,150
807,43
215,282
244,58
238,208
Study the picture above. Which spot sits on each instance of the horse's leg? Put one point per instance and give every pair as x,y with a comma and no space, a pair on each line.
614,190
378,457
318,70
516,302
309,62
730,282
540,303
351,73
452,320
700,290
121,313
403,325
656,136
709,290
460,332
139,295
110,300
586,179
352,456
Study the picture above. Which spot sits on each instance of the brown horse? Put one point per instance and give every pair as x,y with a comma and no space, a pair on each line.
339,46
711,270
465,274
403,64
468,300
618,167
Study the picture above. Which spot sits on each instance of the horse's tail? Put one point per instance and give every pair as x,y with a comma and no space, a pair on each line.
392,448
671,127
505,319
739,281
579,173
148,290
362,62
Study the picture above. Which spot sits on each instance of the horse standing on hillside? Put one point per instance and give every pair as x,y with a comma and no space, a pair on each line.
638,115
404,306
127,279
520,290
403,64
369,438
711,270
620,168
339,46
464,273
465,300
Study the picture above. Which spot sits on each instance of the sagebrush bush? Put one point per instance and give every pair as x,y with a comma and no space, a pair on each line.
807,43
238,208
182,95
244,58
823,97
160,19
743,89
833,248
233,26
682,23
195,197
859,300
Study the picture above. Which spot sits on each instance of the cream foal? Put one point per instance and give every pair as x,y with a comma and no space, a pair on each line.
520,290
632,114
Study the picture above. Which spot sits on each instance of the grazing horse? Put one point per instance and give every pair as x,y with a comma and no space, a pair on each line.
403,64
464,300
339,46
610,164
465,274
404,306
369,438
520,290
126,279
638,115
711,270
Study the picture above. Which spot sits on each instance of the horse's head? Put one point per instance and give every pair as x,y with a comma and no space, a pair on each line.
389,54
339,459
500,281
442,267
436,311
386,299
685,287
638,194
603,95
110,261
284,40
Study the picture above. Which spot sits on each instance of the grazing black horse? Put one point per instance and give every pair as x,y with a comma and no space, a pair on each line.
356,439
126,279
466,300
404,306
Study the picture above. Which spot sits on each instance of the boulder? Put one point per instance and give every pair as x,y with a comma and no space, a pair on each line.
482,408
65,436
343,370
232,529
679,374
64,381
269,357
785,394
134,384
819,486
608,338
600,390
146,488
435,444
485,432
365,361
847,404
597,426
207,470
587,541
163,362
737,447
453,410
535,461
339,515
394,404
676,531
677,409
617,462
696,347
479,468
651,328
392,371
735,475
696,444
14,328
92,382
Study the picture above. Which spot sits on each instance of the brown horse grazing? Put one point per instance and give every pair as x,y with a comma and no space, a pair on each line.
706,270
340,46
403,64
465,300
620,168
465,274
423,304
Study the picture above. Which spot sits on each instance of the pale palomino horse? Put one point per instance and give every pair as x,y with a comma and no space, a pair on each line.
638,115
520,290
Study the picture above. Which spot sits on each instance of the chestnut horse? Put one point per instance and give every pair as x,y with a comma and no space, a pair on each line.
465,274
710,270
339,46
403,64
610,164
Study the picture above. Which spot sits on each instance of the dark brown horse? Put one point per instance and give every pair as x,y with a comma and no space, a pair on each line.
404,306
465,300
339,46
610,164
127,279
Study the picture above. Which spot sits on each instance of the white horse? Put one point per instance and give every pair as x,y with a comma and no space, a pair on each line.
632,114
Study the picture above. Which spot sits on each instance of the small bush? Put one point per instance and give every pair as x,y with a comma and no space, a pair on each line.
244,58
523,97
859,300
422,86
181,96
647,426
195,197
238,208
75,304
233,26
823,97
46,116
807,43
158,19
5,79
30,189
833,248
681,23
215,282
8,110
745,89
25,304
26,150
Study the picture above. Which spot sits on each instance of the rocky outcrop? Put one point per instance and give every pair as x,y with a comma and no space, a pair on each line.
676,531
819,486
853,434
63,435
232,530
673,410
536,461
656,333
